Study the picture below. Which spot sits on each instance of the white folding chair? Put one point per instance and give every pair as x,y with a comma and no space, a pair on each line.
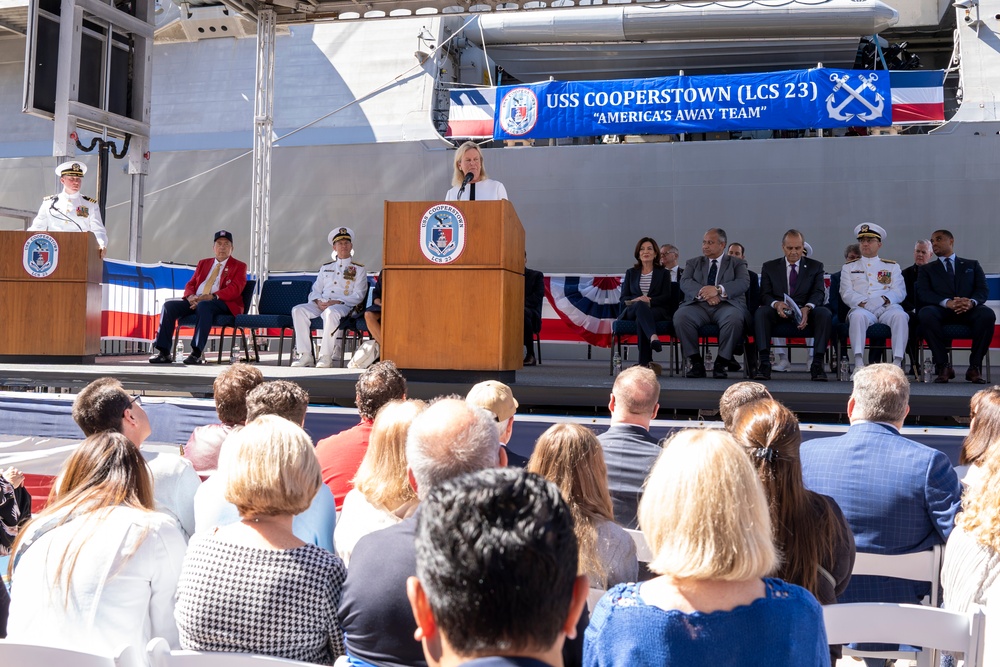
642,550
160,655
920,566
30,655
594,597
933,629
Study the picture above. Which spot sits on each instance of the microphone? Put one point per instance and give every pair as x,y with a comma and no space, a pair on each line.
465,181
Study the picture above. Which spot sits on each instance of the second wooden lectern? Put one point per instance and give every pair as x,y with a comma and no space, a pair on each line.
454,286
50,297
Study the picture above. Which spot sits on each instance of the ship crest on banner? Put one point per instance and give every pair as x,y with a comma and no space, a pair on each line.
518,111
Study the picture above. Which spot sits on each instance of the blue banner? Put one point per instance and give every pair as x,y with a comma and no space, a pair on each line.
801,99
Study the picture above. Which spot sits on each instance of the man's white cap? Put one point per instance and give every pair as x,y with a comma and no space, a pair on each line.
869,230
71,168
807,248
340,233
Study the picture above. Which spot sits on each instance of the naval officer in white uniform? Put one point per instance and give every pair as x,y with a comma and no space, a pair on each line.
69,211
873,288
340,286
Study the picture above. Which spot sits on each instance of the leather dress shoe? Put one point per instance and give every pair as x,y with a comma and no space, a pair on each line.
656,345
974,375
194,358
161,357
530,360
763,371
944,373
697,369
719,370
734,366
817,373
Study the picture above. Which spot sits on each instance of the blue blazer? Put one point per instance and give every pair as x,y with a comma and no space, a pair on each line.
661,296
898,496
934,286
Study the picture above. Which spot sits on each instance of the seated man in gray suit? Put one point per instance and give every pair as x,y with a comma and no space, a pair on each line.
714,286
629,449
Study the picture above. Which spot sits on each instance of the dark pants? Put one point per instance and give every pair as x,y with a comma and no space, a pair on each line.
645,322
819,326
980,319
175,309
4,607
532,325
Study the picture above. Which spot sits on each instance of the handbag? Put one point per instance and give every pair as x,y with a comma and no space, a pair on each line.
365,355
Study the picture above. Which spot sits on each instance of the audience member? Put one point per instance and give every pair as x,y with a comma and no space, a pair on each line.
289,401
340,286
534,297
971,572
898,496
953,291
447,439
739,251
714,287
629,450
382,495
810,531
216,288
253,586
646,298
495,580
97,569
103,405
498,399
803,280
873,288
340,454
230,392
706,521
984,431
736,396
570,456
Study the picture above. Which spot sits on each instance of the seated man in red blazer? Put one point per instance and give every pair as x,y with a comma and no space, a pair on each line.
215,289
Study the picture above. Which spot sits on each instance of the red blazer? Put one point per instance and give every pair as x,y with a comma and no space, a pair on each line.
231,284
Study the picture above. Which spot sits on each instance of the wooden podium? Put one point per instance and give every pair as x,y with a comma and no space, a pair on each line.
54,318
462,312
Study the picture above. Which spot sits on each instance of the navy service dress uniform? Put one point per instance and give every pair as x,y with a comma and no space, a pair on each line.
878,283
70,212
343,280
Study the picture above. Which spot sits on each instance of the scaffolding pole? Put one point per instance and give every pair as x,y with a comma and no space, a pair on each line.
263,122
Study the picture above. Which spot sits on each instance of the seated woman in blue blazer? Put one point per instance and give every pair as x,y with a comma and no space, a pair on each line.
647,297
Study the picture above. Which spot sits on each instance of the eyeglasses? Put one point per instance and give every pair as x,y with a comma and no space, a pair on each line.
136,400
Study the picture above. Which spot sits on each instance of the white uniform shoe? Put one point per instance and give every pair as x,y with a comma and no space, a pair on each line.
325,362
304,361
782,366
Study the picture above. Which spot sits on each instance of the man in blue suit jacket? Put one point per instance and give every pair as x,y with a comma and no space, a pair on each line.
898,495
629,450
953,291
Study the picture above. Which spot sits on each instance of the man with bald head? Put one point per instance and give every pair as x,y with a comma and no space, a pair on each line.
629,449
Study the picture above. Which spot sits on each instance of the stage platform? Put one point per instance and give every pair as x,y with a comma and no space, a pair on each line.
559,386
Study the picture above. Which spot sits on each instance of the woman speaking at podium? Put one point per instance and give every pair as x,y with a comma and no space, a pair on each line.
470,180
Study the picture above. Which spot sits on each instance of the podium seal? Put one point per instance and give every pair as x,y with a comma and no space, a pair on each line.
442,234
41,255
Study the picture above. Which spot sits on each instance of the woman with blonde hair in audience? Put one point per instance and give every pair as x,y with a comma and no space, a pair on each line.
971,572
706,520
252,586
97,569
570,456
984,431
382,495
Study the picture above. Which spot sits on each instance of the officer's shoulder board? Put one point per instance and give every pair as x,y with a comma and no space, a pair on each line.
326,265
888,261
90,199
357,263
51,197
853,262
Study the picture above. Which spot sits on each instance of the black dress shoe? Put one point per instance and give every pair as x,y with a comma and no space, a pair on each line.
719,370
161,357
763,371
817,372
974,375
530,360
194,358
656,345
734,366
697,369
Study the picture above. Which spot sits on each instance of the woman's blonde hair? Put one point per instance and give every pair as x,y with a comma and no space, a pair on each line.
459,175
703,511
382,477
980,516
570,456
275,470
105,471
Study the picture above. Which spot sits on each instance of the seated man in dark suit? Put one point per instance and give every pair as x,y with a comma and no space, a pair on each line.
629,450
669,259
953,291
534,295
922,254
803,279
496,580
753,302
